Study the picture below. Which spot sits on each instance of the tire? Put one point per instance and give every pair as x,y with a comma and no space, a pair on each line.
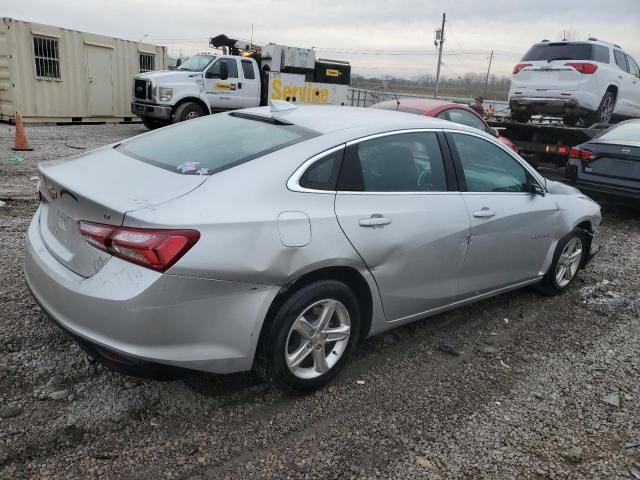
551,284
570,120
604,112
305,372
152,124
522,117
187,111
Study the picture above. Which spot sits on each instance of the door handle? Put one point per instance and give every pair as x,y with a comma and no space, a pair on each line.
484,213
376,220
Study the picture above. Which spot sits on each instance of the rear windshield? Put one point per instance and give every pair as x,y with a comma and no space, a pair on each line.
213,143
625,132
559,51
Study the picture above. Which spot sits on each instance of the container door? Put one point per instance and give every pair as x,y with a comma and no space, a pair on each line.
100,81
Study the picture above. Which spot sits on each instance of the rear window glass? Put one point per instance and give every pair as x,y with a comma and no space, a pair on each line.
559,51
213,143
625,132
600,54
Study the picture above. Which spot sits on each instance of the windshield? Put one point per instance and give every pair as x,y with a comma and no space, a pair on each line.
197,63
625,132
213,143
558,51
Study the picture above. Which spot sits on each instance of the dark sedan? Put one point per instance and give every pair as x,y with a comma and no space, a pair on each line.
608,163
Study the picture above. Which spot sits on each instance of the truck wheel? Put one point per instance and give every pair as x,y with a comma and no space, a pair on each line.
522,117
309,338
152,124
187,111
604,112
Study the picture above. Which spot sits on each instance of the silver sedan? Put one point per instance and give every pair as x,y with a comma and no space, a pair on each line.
276,238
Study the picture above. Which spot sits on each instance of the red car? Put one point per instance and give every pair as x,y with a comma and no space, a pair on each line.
454,112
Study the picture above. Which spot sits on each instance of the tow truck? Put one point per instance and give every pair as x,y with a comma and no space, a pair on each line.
244,75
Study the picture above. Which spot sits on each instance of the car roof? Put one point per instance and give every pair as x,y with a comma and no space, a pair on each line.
424,104
602,43
326,118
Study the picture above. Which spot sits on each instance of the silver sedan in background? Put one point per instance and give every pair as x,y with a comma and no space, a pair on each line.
276,238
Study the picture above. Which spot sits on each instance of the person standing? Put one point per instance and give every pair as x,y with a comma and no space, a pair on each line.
477,105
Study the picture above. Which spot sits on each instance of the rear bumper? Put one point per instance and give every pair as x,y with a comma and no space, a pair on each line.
573,174
174,320
149,110
552,102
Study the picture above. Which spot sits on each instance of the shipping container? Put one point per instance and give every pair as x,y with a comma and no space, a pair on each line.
52,74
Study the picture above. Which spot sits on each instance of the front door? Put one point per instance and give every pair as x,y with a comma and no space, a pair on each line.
405,219
251,83
512,230
223,94
100,89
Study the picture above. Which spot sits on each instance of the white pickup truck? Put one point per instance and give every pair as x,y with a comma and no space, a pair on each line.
209,83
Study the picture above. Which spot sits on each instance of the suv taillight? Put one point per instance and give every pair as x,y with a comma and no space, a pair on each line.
520,66
586,68
155,249
584,155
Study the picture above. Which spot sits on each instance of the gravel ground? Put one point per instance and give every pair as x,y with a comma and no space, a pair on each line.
519,386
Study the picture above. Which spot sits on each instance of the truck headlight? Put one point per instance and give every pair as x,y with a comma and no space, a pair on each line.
165,94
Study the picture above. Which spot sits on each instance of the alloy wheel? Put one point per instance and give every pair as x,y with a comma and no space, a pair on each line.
607,110
317,339
191,115
569,262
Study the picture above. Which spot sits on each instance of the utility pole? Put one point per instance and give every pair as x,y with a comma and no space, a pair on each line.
486,79
439,42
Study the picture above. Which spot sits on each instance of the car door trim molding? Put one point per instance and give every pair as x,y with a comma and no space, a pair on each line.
470,299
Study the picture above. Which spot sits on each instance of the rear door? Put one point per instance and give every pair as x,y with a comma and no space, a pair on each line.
223,94
511,229
398,206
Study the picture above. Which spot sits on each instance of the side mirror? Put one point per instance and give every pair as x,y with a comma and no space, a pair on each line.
493,131
178,62
536,189
224,71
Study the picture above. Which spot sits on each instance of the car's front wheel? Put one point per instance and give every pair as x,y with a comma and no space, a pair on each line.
567,260
310,337
187,111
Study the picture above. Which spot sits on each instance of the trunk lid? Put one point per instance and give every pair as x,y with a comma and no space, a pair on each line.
100,186
614,161
548,76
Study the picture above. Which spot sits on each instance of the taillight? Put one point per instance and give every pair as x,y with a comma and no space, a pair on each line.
584,155
520,66
586,68
155,249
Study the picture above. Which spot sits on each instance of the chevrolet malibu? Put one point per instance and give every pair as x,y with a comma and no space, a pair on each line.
276,238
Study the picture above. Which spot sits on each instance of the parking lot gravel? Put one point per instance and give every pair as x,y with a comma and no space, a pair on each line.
518,386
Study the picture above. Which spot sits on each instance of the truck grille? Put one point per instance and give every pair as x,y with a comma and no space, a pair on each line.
142,89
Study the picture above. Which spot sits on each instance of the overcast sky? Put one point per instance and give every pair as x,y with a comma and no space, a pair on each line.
376,36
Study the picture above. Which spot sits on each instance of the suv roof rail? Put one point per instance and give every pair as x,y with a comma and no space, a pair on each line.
544,40
593,39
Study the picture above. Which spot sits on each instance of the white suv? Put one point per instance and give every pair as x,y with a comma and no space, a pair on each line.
589,80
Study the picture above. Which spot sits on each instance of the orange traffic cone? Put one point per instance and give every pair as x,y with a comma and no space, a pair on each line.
22,143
